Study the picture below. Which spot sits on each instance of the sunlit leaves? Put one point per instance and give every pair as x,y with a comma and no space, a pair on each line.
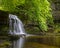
10,5
37,10
40,11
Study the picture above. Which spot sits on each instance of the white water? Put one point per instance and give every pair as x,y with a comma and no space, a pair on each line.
16,28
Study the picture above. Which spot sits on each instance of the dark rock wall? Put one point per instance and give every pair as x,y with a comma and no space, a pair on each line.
3,21
3,17
56,9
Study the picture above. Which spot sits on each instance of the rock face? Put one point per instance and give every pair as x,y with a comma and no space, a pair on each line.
3,21
56,9
4,43
3,17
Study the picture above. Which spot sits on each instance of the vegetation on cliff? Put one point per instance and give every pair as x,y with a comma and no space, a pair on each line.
37,11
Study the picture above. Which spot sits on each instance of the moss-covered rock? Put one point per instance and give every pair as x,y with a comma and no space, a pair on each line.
4,44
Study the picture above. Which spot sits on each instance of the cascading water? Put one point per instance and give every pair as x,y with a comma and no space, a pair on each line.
16,28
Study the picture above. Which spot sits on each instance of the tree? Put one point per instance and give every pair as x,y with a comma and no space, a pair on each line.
37,10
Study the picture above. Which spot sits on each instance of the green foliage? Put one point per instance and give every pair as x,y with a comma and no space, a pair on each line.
10,5
57,28
37,10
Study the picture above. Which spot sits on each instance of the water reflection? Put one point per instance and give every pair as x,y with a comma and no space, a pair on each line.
18,43
42,42
32,41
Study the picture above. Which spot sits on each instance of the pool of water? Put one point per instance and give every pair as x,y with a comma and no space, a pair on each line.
42,42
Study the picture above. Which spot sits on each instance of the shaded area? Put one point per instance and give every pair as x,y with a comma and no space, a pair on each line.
3,22
43,42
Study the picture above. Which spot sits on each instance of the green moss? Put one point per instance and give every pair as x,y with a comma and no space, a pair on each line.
57,28
5,44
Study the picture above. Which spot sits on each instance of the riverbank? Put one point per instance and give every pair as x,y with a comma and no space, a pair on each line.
42,42
48,40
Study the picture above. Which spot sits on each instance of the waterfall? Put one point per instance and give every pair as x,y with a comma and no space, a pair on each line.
16,28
